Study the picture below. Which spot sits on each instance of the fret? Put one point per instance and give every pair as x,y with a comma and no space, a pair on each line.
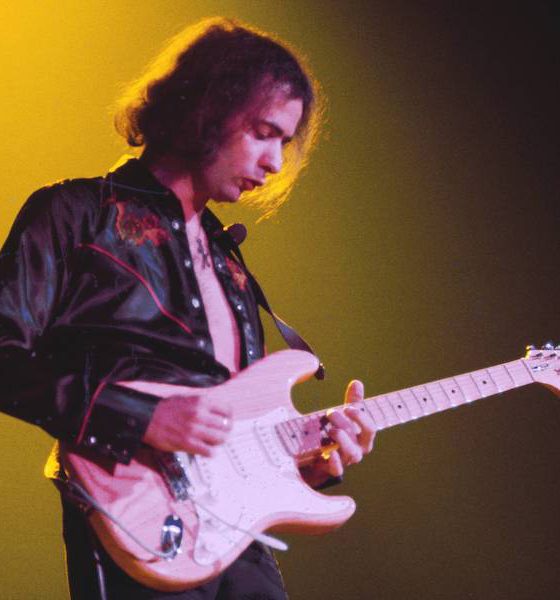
453,391
468,387
310,432
364,407
418,398
438,396
518,372
295,433
287,437
414,407
399,406
305,423
501,378
497,388
484,383
375,413
304,435
424,399
391,417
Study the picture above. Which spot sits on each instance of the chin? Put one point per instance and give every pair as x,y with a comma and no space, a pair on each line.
226,199
231,195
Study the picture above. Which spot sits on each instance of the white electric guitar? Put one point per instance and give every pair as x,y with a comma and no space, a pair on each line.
173,520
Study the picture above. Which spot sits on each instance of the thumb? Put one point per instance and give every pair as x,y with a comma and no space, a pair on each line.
354,392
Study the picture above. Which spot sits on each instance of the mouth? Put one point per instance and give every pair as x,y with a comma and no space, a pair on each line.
248,184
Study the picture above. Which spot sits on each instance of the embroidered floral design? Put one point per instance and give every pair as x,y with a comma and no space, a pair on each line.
139,225
237,274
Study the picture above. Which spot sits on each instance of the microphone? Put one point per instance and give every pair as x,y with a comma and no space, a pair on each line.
236,232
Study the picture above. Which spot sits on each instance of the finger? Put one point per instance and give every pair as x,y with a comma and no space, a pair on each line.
186,442
221,407
207,435
199,409
214,421
335,468
354,392
350,452
196,404
199,447
187,414
362,419
341,421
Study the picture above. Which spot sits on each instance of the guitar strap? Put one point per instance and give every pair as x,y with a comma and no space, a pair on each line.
231,237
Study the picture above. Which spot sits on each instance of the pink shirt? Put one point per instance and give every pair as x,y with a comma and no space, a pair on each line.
221,322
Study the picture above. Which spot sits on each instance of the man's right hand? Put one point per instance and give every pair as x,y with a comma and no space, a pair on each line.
193,424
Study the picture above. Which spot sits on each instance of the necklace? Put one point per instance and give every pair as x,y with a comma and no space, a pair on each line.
204,255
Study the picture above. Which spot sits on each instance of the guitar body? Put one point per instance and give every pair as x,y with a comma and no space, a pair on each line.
252,484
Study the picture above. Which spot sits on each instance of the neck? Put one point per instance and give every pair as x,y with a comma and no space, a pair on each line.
307,436
171,173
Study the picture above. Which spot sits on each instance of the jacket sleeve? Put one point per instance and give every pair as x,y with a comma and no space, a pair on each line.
42,382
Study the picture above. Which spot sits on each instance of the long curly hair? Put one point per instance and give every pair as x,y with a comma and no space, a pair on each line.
208,73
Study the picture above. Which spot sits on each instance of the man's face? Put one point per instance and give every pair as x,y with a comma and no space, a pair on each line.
252,150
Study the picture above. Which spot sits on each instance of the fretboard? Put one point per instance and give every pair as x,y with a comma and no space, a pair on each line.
308,435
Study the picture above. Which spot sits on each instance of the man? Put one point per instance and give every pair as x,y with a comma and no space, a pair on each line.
130,277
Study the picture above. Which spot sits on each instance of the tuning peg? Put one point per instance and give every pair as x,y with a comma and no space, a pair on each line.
529,347
548,346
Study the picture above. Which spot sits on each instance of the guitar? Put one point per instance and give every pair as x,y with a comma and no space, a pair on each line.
173,520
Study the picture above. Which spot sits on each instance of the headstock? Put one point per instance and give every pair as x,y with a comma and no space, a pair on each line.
544,365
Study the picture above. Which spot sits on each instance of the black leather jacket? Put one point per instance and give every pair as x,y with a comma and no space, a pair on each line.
97,286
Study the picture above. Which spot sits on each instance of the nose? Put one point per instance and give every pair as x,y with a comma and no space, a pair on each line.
272,158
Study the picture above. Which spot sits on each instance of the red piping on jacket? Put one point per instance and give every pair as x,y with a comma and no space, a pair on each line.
90,408
158,303
144,282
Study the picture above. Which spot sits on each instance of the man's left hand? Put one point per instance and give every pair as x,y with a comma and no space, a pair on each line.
353,432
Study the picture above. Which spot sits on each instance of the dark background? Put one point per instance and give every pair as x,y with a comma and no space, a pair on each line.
421,243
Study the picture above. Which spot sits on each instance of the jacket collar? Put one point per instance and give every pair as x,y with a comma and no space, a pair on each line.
134,176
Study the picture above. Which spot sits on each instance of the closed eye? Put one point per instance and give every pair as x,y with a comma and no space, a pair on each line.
266,131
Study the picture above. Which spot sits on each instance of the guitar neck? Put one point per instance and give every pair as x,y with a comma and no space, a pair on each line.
307,436
419,401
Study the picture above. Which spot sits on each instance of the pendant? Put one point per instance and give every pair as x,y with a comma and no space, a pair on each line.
205,255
